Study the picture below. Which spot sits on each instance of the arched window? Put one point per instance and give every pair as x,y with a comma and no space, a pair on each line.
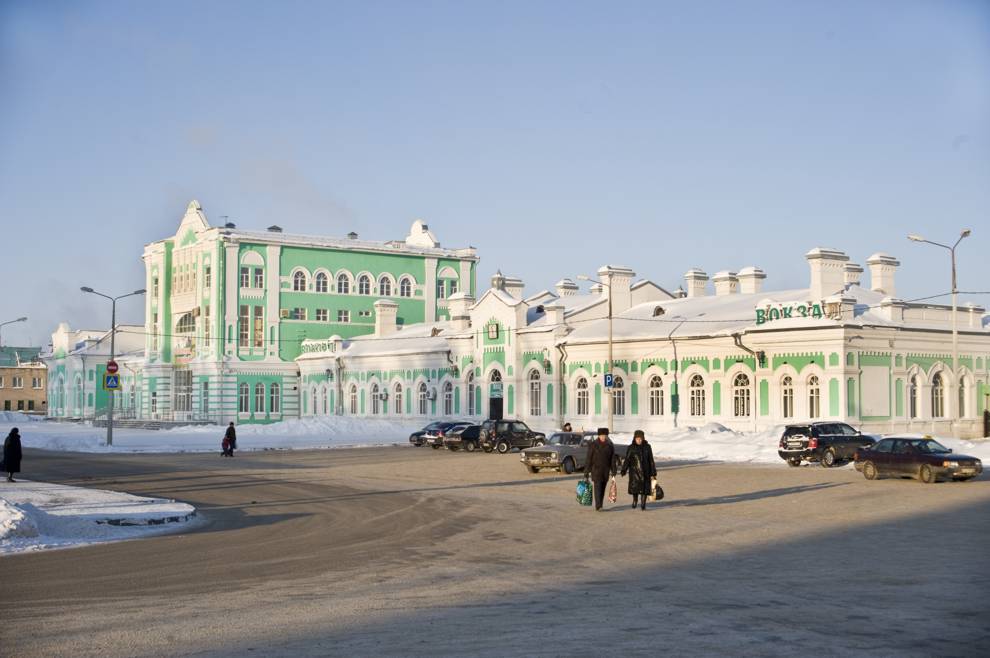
405,287
656,396
324,398
353,397
582,397
422,398
696,387
299,282
397,400
962,399
787,396
322,282
470,394
312,407
448,399
740,396
259,398
384,287
618,397
187,324
275,399
364,285
534,392
243,393
375,401
938,396
814,397
913,394
343,284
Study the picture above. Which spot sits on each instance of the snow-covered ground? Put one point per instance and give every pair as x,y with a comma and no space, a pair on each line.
710,442
40,515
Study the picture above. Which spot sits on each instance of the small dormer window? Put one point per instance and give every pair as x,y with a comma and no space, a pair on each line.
658,311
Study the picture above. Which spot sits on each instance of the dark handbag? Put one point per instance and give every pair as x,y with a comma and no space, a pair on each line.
658,492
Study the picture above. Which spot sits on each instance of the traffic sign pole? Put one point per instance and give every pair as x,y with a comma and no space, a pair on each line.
113,353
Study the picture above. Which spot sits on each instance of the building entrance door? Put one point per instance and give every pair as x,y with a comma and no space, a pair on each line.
495,408
182,393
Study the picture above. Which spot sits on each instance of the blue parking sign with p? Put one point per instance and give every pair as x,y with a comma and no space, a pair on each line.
111,382
609,380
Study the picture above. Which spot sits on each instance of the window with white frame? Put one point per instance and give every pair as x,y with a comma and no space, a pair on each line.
259,277
364,285
324,398
397,400
448,399
535,389
472,408
245,277
275,398
422,399
243,326
962,398
656,395
405,287
299,282
243,395
297,314
740,396
259,327
343,284
814,397
207,277
259,398
441,289
914,395
343,316
204,396
453,286
582,397
787,396
17,382
375,400
938,396
618,397
154,287
384,287
696,390
354,399
36,382
322,315
322,282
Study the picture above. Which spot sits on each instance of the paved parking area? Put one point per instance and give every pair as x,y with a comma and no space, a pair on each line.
405,551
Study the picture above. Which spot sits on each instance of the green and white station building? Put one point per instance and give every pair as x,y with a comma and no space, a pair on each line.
259,326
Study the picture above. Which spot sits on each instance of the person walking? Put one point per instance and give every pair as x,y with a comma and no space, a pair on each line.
12,454
231,435
641,468
599,465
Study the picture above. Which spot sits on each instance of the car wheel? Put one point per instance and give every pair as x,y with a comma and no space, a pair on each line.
794,462
568,466
828,458
502,447
533,469
870,471
926,474
470,446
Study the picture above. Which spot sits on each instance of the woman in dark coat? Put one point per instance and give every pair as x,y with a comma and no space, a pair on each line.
641,468
12,454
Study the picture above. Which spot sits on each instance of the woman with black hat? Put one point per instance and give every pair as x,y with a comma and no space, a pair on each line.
641,468
12,454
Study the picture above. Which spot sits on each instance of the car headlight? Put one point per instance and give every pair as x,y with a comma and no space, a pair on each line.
948,464
553,457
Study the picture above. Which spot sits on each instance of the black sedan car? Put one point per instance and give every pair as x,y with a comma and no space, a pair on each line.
923,458
419,438
463,436
437,438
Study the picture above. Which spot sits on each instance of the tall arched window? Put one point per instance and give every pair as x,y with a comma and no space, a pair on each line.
313,406
962,398
448,399
938,396
384,287
914,391
397,400
353,399
275,399
322,282
534,392
405,287
740,396
259,398
364,285
814,397
299,282
375,401
343,284
324,398
656,396
472,410
421,397
696,388
787,396
582,396
243,395
618,397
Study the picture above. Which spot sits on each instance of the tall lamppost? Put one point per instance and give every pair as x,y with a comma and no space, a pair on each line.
2,324
113,336
953,400
608,366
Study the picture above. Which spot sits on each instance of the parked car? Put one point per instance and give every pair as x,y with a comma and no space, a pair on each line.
565,452
463,437
504,435
923,458
419,438
436,438
828,443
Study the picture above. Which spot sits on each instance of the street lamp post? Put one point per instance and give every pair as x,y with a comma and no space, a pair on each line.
2,324
953,399
113,345
608,365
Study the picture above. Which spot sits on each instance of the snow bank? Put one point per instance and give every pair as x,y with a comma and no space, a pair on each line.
16,417
712,442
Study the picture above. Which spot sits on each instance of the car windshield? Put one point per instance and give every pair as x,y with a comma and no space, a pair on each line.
564,439
838,429
929,446
433,426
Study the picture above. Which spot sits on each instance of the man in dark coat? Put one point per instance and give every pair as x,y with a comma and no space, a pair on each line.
599,464
231,435
640,466
12,454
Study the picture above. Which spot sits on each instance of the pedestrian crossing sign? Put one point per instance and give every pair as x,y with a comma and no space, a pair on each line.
111,382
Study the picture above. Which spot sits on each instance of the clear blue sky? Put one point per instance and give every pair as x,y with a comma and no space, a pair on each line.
552,136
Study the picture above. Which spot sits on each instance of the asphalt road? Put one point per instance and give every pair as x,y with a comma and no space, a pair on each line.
415,552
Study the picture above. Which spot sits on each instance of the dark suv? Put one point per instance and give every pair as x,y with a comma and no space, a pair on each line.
504,435
829,444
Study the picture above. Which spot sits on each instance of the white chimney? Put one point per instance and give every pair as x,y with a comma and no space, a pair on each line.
726,283
386,312
882,270
827,271
852,273
695,281
460,304
751,280
619,280
514,286
892,309
566,288
554,313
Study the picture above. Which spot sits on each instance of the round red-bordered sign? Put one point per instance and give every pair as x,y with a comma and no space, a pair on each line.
112,367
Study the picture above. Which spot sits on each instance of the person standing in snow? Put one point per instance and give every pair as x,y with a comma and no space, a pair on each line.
12,454
641,468
231,436
599,464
